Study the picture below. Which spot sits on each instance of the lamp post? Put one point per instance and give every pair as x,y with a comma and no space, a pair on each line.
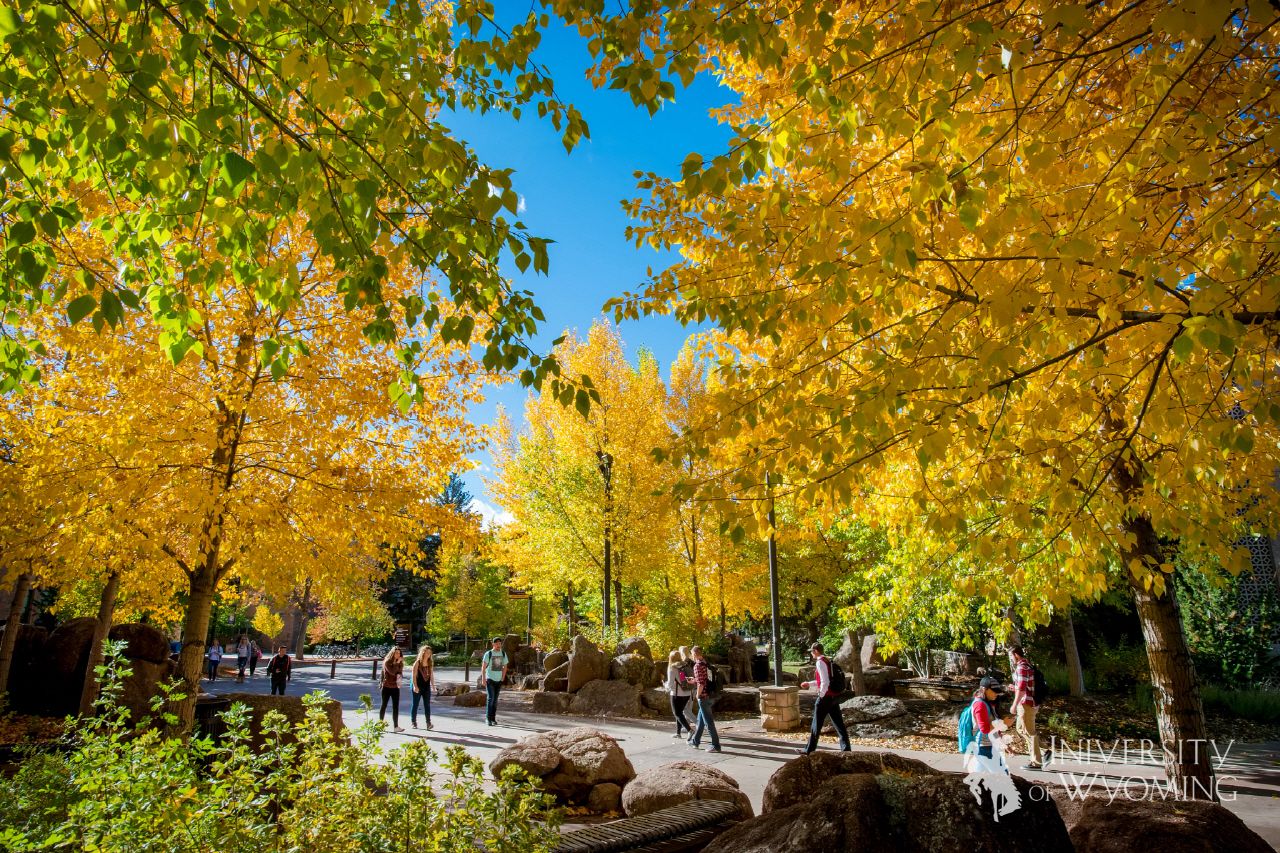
606,470
773,591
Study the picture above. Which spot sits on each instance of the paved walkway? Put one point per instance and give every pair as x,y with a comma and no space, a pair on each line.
1249,773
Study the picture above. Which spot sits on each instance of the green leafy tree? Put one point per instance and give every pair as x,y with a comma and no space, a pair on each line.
1231,639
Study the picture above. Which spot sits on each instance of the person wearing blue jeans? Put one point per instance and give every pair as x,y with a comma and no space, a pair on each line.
421,678
706,702
495,670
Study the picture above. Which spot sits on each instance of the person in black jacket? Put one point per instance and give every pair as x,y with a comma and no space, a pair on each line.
281,670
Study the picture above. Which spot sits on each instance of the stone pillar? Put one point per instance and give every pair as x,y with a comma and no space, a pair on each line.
780,707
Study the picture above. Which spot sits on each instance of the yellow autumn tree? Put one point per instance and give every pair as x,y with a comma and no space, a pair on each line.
1004,274
233,463
582,488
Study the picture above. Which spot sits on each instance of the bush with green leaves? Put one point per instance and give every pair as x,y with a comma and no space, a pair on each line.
1119,667
1230,640
126,790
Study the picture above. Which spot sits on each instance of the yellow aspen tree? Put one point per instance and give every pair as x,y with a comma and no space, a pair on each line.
233,463
1013,263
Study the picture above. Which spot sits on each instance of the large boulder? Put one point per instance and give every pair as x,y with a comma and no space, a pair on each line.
27,678
293,709
868,709
142,642
892,812
1188,826
65,660
848,652
678,782
741,654
471,699
511,645
633,646
656,699
143,684
800,778
587,758
633,669
738,700
807,673
586,663
606,699
555,679
845,817
554,659
532,681
879,679
873,656
552,703
534,755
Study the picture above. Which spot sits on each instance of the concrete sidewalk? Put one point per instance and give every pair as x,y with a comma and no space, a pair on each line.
749,755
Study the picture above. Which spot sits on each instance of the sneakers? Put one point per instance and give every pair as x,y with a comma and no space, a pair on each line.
677,734
398,729
415,725
714,749
1046,756
802,752
430,727
1033,767
692,744
491,722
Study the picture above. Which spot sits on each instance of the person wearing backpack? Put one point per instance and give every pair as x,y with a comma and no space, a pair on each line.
494,665
831,684
1028,692
709,684
979,726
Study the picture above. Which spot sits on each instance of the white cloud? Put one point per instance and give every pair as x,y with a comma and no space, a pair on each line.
491,515
520,205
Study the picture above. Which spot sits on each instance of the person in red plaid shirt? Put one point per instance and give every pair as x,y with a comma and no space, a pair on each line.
1024,705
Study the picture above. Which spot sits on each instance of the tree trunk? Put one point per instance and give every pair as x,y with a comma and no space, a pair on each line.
106,609
1075,671
617,602
301,622
608,576
855,662
195,630
33,601
10,641
573,619
1179,712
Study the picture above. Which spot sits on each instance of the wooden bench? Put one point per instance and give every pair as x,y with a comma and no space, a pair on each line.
687,827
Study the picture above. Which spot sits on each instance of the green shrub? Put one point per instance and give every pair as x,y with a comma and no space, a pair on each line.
1261,706
1055,675
1118,667
122,790
1230,644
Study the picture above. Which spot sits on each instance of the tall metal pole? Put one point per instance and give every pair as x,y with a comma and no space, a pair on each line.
773,592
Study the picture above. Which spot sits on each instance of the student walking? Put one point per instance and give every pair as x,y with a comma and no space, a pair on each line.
255,654
1026,701
215,658
242,657
494,665
678,688
708,682
421,680
392,670
280,668
828,705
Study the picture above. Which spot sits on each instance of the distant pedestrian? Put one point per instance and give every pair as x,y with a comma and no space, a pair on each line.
709,685
255,654
678,687
494,665
215,658
242,657
421,680
280,668
1026,702
828,704
392,670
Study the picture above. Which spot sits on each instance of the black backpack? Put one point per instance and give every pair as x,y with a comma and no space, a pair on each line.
839,684
715,684
1039,687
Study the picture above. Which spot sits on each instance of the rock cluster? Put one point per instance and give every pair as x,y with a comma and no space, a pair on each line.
678,782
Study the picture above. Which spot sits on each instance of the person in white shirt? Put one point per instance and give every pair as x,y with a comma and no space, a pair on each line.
677,686
215,657
828,704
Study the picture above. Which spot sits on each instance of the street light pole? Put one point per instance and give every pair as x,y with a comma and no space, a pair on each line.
773,591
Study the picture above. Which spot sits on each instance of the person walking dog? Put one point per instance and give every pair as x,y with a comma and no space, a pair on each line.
421,679
280,668
830,684
494,666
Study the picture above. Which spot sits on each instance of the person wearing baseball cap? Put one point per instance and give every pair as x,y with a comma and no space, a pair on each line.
984,713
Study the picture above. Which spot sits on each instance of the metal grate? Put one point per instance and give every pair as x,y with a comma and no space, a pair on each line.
1251,589
695,817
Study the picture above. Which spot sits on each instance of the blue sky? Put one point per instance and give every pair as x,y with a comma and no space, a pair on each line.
575,198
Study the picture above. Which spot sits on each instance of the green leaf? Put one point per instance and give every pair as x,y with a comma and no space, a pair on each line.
10,21
582,403
236,169
1183,347
81,307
